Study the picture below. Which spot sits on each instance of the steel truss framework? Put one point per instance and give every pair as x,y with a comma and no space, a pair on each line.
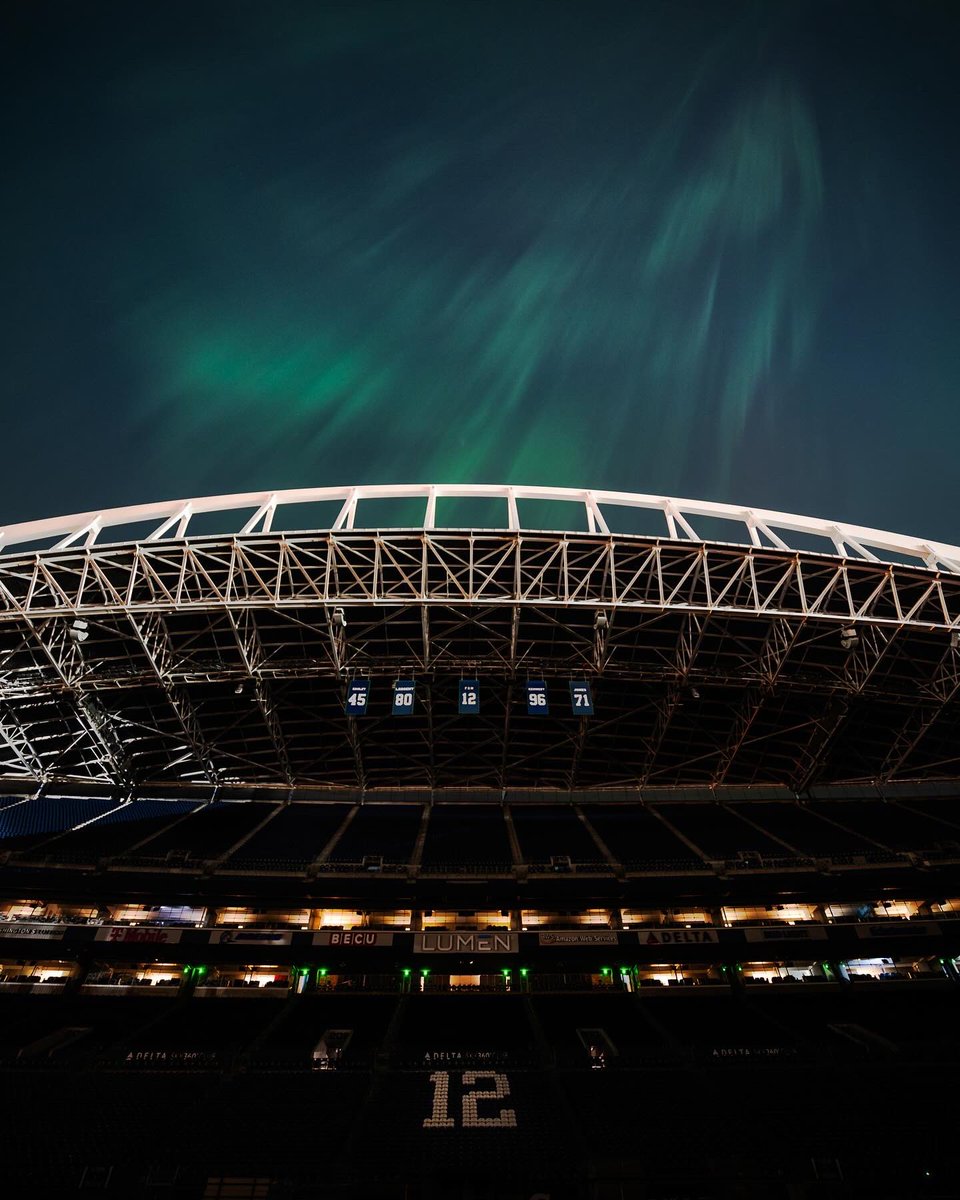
223,661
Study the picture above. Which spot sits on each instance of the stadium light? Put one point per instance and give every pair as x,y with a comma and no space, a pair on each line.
79,631
849,638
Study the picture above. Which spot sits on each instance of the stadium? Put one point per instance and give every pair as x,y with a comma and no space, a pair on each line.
478,841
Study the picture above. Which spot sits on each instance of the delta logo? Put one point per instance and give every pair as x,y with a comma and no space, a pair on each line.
678,937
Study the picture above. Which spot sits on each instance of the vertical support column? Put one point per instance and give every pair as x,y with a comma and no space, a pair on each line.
417,856
515,850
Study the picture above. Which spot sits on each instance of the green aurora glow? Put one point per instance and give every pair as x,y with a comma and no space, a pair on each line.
474,242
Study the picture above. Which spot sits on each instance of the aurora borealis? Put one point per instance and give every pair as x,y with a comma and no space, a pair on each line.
700,247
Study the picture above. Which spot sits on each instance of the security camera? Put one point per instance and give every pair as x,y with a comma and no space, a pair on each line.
79,631
339,618
601,621
849,637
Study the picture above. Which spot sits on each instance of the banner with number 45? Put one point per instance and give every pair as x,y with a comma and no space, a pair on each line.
357,695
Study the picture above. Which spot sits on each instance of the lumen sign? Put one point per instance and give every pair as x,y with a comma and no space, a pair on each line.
465,943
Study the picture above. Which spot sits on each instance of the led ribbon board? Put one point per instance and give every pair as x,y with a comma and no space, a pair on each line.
403,692
468,697
537,698
357,695
581,700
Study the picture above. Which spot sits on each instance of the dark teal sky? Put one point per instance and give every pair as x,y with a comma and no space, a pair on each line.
704,248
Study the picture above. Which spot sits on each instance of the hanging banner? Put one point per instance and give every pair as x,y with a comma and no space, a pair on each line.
537,705
357,695
403,693
581,699
468,697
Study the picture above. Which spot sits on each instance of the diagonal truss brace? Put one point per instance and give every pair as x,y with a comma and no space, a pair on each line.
942,689
151,632
250,647
774,652
23,751
859,669
63,654
688,645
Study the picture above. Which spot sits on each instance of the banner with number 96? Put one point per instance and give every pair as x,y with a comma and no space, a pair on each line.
537,705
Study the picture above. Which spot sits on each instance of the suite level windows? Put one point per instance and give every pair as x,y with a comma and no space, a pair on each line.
49,976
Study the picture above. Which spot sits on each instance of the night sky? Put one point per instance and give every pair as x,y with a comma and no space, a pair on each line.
698,247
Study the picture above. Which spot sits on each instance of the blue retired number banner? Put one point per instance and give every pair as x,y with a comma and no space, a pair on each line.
580,698
537,698
357,695
468,698
403,691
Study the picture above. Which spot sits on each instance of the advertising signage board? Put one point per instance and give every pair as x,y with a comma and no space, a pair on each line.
466,943
352,937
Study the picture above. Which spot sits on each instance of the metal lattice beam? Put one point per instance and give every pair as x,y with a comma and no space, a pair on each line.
251,651
152,634
405,568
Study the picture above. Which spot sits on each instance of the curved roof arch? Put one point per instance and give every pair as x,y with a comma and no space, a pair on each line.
174,656
249,512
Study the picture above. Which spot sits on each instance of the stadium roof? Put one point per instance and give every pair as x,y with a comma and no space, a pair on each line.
211,642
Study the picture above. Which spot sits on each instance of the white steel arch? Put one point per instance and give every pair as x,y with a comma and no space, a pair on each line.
264,512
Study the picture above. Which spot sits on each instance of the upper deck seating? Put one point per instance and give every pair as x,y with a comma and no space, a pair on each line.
893,825
293,838
719,831
387,830
551,831
31,822
461,834
803,829
637,838
207,833
118,830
